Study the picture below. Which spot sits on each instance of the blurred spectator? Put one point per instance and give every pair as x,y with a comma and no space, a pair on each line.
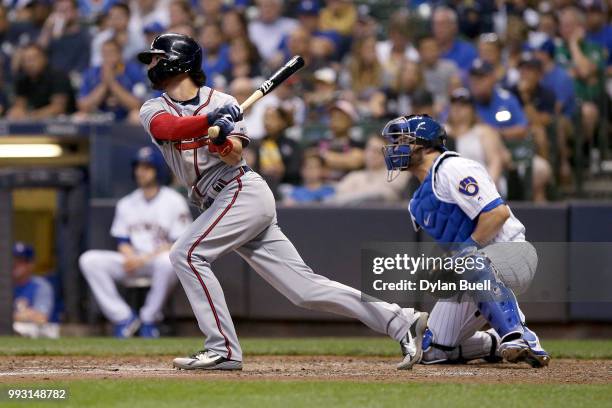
314,188
585,62
152,30
474,140
516,36
342,152
243,60
65,39
180,13
537,102
278,157
241,88
290,100
490,50
4,103
147,12
41,92
393,51
322,96
185,29
325,43
33,297
500,109
93,9
13,35
364,76
116,87
441,76
339,16
234,24
599,30
116,26
445,28
211,11
475,17
270,28
370,184
215,53
146,223
423,103
548,24
400,94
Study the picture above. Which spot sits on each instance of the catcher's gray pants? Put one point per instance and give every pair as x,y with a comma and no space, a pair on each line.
243,218
454,321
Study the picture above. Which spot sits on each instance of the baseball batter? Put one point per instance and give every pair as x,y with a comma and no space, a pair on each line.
146,223
458,205
238,214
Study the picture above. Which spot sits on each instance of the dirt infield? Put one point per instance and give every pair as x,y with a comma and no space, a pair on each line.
560,371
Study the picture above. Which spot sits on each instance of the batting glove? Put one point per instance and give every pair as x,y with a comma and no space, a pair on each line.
233,110
226,125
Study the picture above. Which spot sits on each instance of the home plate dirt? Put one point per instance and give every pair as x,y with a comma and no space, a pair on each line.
23,368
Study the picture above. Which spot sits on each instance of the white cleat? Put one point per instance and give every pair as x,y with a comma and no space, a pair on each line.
206,360
412,344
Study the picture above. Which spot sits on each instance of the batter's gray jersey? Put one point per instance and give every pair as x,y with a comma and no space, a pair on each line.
190,160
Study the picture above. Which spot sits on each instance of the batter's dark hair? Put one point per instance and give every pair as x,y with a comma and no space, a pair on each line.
198,78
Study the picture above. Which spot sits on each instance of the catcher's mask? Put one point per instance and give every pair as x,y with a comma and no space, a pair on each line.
404,134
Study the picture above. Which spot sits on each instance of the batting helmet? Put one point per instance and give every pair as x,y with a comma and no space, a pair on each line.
179,54
23,251
402,132
152,157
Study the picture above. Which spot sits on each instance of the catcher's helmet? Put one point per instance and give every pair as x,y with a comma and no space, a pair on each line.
152,157
404,131
179,54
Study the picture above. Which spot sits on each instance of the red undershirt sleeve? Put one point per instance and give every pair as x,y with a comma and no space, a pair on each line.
168,127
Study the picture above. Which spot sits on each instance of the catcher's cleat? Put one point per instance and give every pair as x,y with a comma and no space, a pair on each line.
127,328
412,344
206,360
527,349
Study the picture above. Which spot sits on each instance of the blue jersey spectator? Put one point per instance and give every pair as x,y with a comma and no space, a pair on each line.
114,87
216,53
496,106
598,30
445,29
314,188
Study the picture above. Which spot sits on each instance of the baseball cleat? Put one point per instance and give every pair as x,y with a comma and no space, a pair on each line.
206,360
126,328
149,331
527,349
412,344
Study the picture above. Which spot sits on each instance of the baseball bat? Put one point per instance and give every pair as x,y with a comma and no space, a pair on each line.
290,68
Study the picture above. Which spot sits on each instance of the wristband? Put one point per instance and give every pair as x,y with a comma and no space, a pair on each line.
226,148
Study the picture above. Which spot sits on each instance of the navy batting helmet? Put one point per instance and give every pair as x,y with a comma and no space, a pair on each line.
151,156
406,131
179,54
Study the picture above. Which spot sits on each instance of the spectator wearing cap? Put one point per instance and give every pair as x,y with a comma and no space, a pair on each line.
269,29
322,95
325,43
41,92
115,87
278,157
215,55
400,94
116,26
500,109
396,47
342,152
152,30
441,76
370,185
65,38
314,187
476,140
445,29
537,102
598,30
585,62
33,297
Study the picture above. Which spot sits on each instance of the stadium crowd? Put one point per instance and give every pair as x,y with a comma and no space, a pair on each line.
504,76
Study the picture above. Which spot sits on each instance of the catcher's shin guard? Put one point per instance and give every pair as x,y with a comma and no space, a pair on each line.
498,304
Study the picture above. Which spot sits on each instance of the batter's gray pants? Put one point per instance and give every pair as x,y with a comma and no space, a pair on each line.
243,219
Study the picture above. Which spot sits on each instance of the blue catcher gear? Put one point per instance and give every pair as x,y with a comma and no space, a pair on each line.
151,156
405,132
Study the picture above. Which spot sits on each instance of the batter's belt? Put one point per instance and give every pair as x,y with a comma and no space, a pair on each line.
220,184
